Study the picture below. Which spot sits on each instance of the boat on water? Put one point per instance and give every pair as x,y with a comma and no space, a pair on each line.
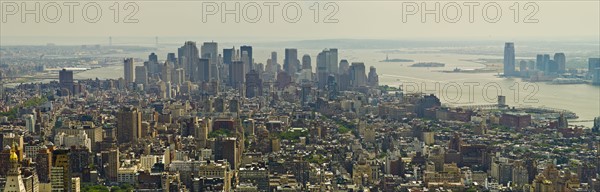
564,81
428,64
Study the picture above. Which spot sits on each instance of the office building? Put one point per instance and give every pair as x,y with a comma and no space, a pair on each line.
306,62
237,73
593,63
188,56
323,59
250,59
373,78
546,63
153,58
290,62
245,58
228,148
65,79
561,61
253,84
128,70
596,74
248,49
43,161
344,66
332,64
202,72
274,57
594,70
129,125
60,173
166,72
509,59
523,67
178,76
358,76
228,56
539,62
209,50
30,123
515,120
141,75
171,58
112,164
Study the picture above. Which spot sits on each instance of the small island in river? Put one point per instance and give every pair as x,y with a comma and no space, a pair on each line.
396,60
428,64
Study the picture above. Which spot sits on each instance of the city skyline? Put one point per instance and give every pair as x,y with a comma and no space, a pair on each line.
390,96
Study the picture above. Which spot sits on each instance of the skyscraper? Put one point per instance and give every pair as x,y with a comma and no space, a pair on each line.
43,162
561,61
141,75
237,75
344,66
373,78
153,58
523,66
113,164
539,62
332,87
60,173
177,76
596,80
166,72
171,58
228,56
209,50
188,56
30,123
65,79
552,67
129,125
509,59
202,70
546,62
291,61
250,63
274,57
593,64
332,65
305,93
247,62
306,62
253,84
358,76
323,59
128,70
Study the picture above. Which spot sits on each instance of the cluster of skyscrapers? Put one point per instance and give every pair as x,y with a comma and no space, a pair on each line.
237,68
544,67
543,63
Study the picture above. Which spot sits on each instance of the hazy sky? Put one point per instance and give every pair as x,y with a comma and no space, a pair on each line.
356,19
